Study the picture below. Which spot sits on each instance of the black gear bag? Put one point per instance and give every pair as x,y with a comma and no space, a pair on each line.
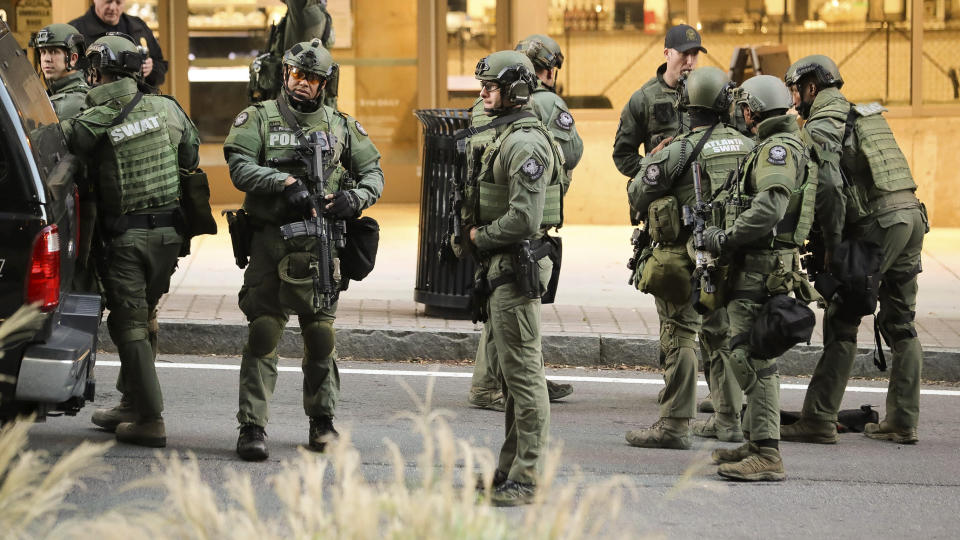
782,322
854,278
359,254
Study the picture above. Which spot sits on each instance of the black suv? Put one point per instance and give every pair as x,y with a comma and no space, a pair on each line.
51,371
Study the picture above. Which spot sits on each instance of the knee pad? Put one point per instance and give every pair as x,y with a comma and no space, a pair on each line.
740,365
318,339
265,333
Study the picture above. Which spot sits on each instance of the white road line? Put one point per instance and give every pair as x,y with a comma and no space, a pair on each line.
467,375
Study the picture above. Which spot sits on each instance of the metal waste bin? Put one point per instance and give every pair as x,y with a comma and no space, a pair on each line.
443,281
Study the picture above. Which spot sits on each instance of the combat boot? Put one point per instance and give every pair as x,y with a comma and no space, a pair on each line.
512,493
252,443
810,430
706,405
732,455
109,419
763,464
143,433
885,431
321,433
486,399
664,433
499,477
725,427
557,391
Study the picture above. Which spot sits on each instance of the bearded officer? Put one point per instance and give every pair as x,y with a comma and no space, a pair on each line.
275,196
668,174
547,59
135,146
855,143
514,201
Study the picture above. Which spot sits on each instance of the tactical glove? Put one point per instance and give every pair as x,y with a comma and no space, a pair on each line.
297,196
343,205
713,239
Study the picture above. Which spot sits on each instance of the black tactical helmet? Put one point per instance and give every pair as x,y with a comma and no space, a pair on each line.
116,53
61,36
513,71
822,66
542,50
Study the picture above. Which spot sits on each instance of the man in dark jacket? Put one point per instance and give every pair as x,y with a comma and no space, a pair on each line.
108,16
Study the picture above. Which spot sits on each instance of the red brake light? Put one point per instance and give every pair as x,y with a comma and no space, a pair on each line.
43,282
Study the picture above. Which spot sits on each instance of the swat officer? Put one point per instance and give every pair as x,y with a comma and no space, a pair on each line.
59,48
651,115
765,257
135,146
547,58
515,199
306,20
283,274
665,184
859,152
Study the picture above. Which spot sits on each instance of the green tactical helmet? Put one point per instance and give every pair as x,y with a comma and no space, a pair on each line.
64,36
707,87
763,93
311,57
542,50
116,53
825,69
513,70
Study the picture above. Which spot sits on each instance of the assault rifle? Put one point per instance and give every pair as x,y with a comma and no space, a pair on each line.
698,217
315,223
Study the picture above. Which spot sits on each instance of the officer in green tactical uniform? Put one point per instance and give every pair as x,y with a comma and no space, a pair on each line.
665,184
59,48
135,146
859,152
510,203
282,273
651,116
763,249
547,58
307,20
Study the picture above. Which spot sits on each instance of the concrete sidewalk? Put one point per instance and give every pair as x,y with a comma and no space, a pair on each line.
597,319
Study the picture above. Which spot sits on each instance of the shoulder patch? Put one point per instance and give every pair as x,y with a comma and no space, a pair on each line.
565,121
532,168
360,128
777,155
651,175
241,119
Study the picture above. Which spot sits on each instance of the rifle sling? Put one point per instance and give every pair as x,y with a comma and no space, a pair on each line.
126,110
291,121
696,151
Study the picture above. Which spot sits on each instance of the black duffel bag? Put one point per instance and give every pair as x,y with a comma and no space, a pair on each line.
359,255
781,323
854,278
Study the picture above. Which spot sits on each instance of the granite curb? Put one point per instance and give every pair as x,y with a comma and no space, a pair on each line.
572,349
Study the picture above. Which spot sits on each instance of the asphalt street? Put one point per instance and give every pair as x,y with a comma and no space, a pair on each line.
859,488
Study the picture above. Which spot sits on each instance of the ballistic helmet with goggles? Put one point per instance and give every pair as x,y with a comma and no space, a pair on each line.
513,71
116,53
763,93
542,50
708,88
310,57
821,66
63,36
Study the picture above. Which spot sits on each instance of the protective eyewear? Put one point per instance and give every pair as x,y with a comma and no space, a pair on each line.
300,75
490,86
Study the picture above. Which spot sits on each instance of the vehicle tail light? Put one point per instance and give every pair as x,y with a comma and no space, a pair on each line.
43,282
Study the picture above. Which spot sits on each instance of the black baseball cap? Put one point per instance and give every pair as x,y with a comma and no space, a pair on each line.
683,37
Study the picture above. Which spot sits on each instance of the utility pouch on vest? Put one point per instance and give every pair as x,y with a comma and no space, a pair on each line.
359,253
705,302
664,112
240,235
782,322
667,274
556,257
493,199
527,268
664,220
195,202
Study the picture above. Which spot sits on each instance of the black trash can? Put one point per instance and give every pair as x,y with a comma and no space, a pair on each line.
443,281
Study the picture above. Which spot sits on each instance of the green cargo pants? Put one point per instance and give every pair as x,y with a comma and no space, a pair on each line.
138,274
679,324
267,315
486,369
514,326
900,234
758,378
715,345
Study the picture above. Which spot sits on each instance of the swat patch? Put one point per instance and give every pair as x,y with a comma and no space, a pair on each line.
360,128
651,175
565,121
533,169
777,155
241,119
135,129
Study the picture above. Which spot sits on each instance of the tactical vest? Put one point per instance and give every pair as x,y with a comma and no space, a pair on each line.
793,229
280,142
493,198
876,166
68,96
720,155
144,161
663,118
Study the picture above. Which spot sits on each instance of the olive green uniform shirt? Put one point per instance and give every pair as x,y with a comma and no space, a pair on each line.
68,94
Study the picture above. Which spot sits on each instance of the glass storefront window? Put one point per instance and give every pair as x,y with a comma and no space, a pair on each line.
471,35
940,65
